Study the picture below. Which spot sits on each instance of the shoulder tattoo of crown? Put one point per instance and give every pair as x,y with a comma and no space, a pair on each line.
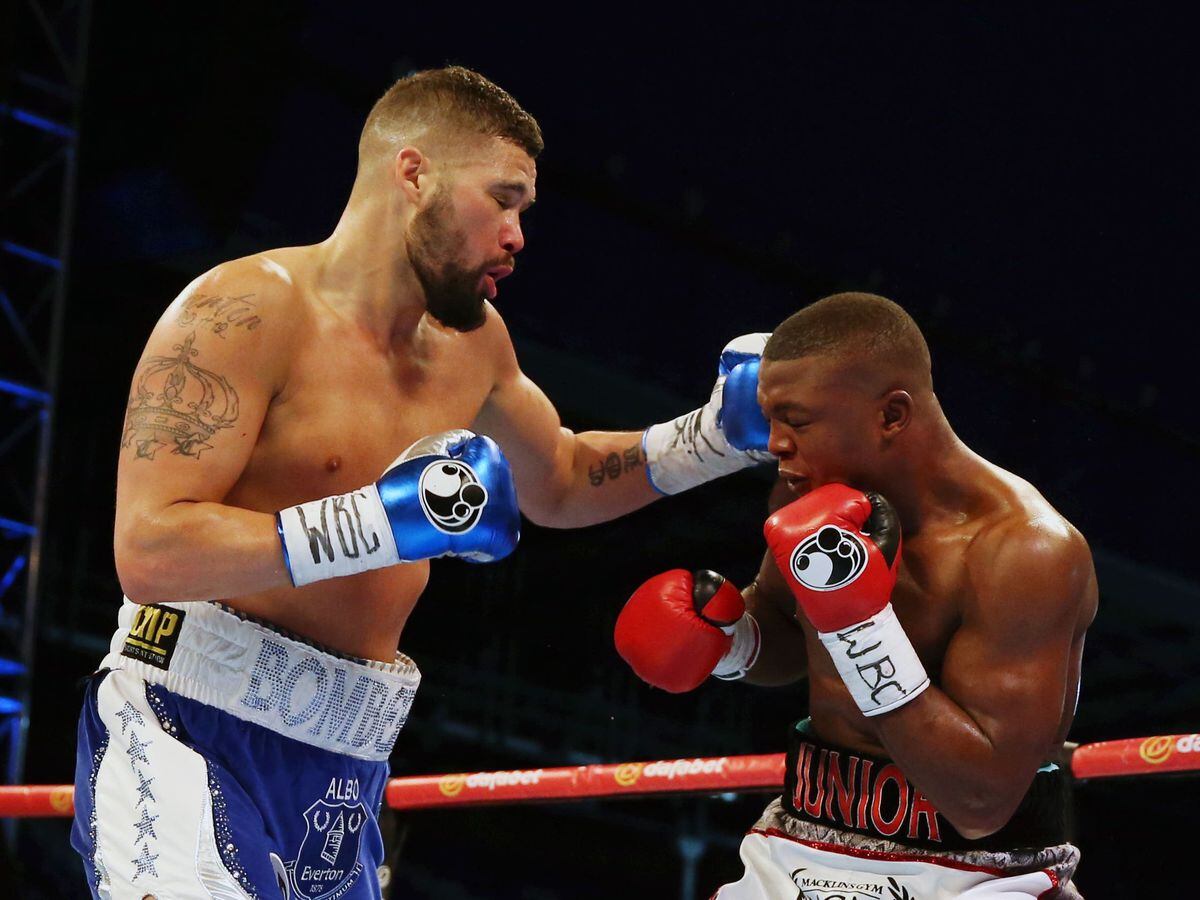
219,314
177,404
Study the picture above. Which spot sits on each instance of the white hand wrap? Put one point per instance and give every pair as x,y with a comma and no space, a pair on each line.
340,535
691,449
742,653
877,662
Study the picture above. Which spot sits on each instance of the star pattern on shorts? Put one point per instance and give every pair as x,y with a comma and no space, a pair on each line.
145,826
137,749
128,713
144,792
145,862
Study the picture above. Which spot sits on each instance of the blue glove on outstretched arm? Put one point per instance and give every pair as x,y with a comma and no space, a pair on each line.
725,435
449,494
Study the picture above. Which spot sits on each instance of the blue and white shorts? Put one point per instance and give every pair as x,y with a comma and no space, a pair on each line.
220,758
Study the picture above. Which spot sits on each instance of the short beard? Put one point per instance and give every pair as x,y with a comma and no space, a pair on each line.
452,292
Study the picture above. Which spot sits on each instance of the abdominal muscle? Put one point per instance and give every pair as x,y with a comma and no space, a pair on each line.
358,615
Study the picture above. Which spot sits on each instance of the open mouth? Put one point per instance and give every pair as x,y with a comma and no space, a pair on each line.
796,483
491,277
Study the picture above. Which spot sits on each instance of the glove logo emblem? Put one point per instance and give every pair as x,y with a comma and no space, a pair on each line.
829,559
452,497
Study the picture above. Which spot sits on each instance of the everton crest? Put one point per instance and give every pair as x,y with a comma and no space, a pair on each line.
327,863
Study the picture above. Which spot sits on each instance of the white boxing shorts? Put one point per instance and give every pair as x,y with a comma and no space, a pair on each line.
852,827
790,859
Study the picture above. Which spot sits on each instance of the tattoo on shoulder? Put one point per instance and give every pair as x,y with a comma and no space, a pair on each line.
177,404
219,314
611,467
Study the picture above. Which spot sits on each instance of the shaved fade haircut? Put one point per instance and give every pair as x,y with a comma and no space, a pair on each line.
852,326
450,101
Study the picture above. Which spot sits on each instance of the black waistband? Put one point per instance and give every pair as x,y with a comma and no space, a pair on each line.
848,790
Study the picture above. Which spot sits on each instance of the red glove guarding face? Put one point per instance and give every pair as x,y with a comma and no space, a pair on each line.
839,551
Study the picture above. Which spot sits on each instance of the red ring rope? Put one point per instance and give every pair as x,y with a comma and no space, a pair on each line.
1106,759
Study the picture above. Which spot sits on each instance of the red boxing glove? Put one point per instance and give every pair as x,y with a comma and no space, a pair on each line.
839,551
680,626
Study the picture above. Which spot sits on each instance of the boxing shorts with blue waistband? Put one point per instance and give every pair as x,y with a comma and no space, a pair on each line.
219,757
853,827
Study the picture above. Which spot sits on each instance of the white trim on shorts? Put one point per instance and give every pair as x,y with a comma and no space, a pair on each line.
154,835
249,670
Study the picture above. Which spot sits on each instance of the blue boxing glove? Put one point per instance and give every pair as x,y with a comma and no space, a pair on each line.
740,418
725,435
449,494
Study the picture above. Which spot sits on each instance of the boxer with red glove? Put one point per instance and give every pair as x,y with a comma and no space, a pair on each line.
839,551
680,627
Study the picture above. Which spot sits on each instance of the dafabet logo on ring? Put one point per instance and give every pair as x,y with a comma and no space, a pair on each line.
62,799
452,785
1155,750
627,774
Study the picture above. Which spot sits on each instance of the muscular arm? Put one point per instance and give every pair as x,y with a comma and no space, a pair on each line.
973,743
199,397
564,479
783,655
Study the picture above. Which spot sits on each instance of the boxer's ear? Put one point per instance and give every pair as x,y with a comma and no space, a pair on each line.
895,412
408,167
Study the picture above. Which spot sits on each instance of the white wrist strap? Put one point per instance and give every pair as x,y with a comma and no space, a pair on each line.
877,662
743,652
340,535
691,449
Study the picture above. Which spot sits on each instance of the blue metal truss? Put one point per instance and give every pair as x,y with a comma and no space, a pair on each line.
41,79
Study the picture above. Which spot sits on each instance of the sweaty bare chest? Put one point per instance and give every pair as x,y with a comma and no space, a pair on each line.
930,616
347,413
928,600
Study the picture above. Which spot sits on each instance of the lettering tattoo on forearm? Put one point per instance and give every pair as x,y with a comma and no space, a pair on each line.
219,314
610,467
177,404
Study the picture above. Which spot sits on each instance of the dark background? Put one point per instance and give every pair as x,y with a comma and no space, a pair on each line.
1022,179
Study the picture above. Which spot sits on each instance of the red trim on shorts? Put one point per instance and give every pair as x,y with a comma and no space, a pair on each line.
899,857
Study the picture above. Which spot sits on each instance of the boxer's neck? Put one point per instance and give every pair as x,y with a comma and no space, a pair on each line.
363,269
934,476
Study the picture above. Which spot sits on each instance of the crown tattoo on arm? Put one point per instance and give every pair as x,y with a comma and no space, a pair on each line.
177,404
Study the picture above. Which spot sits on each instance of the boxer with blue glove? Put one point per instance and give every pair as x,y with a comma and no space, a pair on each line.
271,544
